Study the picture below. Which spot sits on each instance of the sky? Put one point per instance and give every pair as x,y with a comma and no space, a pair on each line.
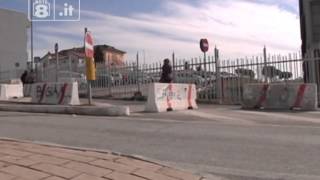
156,28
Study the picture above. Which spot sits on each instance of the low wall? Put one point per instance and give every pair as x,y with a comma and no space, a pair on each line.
55,93
168,97
280,96
8,91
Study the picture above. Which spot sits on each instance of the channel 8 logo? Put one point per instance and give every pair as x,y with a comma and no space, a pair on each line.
41,9
54,10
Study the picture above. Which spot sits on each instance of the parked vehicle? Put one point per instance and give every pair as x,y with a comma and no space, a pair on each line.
189,77
116,78
67,76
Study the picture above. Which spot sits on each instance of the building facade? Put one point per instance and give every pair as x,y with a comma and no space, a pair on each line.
109,56
71,62
14,39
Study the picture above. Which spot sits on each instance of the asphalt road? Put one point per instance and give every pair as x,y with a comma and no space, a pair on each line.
217,140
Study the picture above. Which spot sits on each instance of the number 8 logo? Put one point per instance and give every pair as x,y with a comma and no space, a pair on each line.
41,9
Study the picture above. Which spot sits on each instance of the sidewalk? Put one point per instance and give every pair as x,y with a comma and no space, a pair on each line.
28,161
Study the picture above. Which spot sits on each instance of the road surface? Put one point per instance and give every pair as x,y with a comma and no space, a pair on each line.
216,140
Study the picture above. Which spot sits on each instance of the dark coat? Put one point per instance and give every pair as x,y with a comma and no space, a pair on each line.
23,77
166,76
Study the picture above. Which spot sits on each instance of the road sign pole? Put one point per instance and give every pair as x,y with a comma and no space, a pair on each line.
204,46
89,89
265,62
205,72
205,61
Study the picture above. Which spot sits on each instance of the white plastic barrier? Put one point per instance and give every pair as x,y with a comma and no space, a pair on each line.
168,97
280,96
55,93
8,91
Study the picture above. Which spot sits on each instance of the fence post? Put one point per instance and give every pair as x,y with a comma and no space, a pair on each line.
109,78
70,67
174,67
56,49
137,73
218,75
265,62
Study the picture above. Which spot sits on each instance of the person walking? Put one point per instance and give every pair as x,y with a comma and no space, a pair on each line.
166,76
23,77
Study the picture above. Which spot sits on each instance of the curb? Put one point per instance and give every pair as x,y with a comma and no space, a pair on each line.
79,110
136,157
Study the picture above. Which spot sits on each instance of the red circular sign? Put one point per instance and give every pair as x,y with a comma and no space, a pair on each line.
204,45
89,48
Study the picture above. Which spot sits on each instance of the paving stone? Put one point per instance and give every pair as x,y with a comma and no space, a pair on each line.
139,164
4,176
122,176
88,169
73,157
113,166
25,173
27,161
14,152
56,170
87,177
59,154
152,175
54,178
48,159
2,164
18,160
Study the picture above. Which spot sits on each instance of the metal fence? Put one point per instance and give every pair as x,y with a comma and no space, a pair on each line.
11,75
217,81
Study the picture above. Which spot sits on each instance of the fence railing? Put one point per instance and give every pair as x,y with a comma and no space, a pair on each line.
11,74
217,80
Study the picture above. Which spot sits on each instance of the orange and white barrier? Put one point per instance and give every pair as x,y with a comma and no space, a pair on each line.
8,91
280,96
170,97
55,93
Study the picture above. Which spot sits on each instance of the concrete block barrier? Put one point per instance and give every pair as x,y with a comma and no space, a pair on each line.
27,90
169,97
55,93
282,96
8,91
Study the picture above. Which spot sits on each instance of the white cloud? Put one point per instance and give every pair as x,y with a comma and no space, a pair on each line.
238,28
